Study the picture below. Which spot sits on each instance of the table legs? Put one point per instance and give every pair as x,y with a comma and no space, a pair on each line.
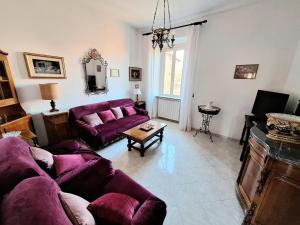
205,126
129,145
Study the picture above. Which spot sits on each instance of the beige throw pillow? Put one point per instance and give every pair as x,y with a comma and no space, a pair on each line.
76,209
117,112
43,156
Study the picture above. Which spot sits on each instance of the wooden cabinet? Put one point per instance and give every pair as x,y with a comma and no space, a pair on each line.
268,186
12,115
57,126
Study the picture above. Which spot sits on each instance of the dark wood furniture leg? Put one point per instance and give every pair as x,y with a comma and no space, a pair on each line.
129,144
161,135
243,134
142,150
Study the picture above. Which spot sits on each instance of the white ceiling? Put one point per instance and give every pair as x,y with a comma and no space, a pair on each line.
139,13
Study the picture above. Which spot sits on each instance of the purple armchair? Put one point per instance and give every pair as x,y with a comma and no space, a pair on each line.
105,133
29,192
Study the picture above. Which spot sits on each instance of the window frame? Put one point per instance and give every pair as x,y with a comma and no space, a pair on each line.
162,70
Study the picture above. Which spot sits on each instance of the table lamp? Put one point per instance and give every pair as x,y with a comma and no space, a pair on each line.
51,92
137,92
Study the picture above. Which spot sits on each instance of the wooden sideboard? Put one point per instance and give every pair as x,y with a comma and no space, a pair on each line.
268,185
57,126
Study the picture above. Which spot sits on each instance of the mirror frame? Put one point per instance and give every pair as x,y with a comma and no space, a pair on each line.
94,54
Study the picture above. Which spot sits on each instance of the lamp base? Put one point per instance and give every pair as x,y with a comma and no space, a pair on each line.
52,103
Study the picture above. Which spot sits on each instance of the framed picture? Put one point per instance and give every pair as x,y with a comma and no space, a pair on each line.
45,66
246,71
135,74
114,73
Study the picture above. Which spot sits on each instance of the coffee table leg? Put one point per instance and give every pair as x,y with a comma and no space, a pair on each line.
161,135
142,150
129,144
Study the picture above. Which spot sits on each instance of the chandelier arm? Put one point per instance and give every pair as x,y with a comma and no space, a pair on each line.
169,14
155,15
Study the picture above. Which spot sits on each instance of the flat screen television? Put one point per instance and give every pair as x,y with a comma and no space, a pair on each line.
268,102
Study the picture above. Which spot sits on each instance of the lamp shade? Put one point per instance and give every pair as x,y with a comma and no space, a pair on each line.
50,91
137,91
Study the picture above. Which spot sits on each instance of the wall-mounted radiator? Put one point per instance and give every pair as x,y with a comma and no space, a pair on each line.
168,108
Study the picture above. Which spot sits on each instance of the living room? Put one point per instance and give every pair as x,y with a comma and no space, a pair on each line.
194,176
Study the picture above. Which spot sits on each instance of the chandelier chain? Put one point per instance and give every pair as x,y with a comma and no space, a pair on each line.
155,15
169,14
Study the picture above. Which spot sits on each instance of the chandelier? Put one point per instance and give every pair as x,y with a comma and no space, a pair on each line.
161,36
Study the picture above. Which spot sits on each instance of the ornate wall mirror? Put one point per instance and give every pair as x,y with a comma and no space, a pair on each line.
95,68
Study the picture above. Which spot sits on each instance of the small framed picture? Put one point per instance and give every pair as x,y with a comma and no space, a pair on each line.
114,73
135,74
45,66
246,71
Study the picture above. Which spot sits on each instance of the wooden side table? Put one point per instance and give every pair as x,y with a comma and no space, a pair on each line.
140,105
57,126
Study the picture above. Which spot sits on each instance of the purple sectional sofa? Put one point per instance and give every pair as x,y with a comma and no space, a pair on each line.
105,133
30,196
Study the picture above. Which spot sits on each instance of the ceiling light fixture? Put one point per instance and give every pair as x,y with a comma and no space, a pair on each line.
161,36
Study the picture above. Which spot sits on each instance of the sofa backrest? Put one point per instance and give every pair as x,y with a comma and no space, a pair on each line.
121,102
16,163
78,112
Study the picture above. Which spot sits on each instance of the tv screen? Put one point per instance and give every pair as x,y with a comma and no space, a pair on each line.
268,102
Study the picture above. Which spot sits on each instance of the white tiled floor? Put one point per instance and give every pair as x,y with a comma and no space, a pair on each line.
192,175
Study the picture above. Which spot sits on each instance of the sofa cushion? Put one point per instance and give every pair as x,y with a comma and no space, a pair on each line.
33,201
76,209
129,110
92,119
42,156
66,163
114,208
16,163
117,112
87,181
107,116
68,146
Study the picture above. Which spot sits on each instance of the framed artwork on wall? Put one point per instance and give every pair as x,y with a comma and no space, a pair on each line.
246,71
45,66
114,73
135,74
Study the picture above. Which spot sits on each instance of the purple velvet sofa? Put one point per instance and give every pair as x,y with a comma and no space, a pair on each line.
106,133
28,195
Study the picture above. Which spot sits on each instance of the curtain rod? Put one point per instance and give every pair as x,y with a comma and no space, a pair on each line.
173,28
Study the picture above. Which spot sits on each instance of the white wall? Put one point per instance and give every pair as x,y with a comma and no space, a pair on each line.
292,85
266,33
65,28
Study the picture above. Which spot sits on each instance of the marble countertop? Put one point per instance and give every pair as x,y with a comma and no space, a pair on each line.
282,151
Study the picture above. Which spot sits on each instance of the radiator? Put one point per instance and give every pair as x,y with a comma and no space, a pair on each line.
168,108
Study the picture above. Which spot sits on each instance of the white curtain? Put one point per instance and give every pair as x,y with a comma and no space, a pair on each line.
151,63
189,73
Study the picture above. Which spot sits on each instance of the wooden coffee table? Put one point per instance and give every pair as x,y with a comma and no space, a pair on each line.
136,135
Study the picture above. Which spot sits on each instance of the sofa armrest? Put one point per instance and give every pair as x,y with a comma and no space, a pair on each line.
88,180
141,111
152,212
121,183
86,128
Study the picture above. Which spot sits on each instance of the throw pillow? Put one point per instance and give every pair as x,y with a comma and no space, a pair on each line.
129,110
76,209
66,163
92,119
42,156
117,112
114,208
107,116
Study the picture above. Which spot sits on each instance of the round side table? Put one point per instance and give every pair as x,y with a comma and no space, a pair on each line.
207,115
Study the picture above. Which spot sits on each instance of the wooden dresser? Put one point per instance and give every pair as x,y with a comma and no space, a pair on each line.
57,126
268,185
12,115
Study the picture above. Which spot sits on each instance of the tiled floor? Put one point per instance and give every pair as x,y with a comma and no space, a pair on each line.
192,175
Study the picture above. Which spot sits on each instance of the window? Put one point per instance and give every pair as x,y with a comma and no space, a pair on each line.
172,66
